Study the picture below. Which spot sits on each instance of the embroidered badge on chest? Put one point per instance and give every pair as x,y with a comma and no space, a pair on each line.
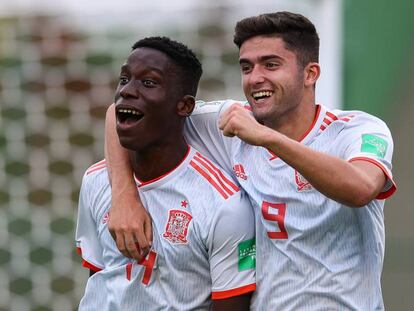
301,183
176,229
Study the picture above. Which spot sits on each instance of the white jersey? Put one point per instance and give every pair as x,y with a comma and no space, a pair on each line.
203,246
313,253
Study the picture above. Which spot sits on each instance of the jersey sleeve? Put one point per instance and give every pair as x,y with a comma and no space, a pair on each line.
202,132
367,138
232,249
87,242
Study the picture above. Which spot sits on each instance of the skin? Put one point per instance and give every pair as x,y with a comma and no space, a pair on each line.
148,83
267,65
279,122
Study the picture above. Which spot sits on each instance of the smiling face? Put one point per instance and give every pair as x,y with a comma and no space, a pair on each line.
146,99
272,78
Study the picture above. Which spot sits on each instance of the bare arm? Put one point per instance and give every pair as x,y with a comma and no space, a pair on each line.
129,222
239,303
354,184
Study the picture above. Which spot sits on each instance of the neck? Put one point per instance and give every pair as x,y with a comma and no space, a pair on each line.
158,160
296,122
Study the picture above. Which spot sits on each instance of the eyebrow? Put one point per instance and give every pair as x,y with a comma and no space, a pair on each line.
261,58
126,67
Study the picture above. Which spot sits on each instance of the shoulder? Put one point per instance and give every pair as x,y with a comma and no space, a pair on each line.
214,107
95,180
351,119
212,179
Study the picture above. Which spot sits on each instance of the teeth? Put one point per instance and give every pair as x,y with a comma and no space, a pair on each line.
262,94
134,112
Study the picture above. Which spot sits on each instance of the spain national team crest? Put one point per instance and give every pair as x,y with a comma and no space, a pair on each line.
176,229
301,182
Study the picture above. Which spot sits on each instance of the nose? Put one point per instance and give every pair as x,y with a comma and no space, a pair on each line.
128,90
256,76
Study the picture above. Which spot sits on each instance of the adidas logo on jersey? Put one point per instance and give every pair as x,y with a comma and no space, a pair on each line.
239,171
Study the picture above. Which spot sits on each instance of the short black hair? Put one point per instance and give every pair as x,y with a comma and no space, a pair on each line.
298,33
181,55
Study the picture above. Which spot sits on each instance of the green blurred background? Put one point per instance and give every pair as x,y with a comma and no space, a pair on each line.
58,72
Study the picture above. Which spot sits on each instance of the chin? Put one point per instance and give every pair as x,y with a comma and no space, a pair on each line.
128,143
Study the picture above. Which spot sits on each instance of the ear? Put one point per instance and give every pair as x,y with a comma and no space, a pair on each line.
185,106
312,72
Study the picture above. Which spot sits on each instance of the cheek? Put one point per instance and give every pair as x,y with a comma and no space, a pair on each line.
117,94
244,82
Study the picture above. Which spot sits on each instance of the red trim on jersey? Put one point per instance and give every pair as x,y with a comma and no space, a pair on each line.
327,121
90,266
96,167
103,161
333,117
128,271
233,292
393,188
318,110
209,179
215,170
144,183
87,264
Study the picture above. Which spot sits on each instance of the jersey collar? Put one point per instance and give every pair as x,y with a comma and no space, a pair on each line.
157,182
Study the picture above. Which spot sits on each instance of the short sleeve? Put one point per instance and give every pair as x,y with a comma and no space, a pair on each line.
202,132
367,138
232,249
87,242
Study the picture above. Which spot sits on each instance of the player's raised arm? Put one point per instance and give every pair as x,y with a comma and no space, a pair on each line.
354,183
129,223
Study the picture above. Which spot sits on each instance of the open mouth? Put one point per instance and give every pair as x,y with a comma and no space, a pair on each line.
128,116
262,94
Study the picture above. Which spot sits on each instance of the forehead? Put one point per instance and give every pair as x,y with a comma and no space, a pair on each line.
149,59
257,47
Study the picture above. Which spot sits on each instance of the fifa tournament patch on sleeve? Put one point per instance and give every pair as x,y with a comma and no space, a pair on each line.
247,254
374,144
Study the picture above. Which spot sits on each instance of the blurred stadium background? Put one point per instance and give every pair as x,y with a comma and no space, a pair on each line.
59,63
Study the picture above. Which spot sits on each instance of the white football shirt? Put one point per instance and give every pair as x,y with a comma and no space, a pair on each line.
203,248
313,253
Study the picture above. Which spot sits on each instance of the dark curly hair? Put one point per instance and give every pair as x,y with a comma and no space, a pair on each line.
298,33
182,56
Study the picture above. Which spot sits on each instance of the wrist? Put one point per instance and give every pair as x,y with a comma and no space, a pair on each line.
269,138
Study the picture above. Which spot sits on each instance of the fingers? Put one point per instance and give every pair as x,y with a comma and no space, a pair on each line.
231,119
133,247
120,243
148,230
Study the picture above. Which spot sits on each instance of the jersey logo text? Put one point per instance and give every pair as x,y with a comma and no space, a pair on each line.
176,229
301,182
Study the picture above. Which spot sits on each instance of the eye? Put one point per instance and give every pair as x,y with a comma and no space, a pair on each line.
272,65
148,83
123,80
245,68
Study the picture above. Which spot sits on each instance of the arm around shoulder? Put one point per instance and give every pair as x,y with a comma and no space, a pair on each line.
129,223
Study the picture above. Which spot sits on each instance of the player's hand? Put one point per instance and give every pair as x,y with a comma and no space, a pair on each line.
237,121
130,225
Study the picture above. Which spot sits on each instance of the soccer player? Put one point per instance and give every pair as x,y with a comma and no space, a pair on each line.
203,251
317,177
